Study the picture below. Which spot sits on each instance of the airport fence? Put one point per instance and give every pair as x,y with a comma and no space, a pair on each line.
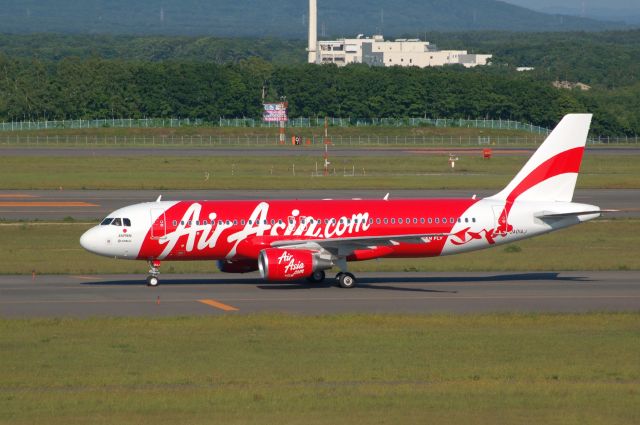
253,123
272,140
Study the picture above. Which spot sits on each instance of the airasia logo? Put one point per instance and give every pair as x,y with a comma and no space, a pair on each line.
291,267
202,236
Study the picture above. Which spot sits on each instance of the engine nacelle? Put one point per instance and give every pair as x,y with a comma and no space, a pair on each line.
290,264
237,266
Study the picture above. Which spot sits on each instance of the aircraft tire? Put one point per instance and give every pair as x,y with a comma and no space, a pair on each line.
152,281
346,280
317,276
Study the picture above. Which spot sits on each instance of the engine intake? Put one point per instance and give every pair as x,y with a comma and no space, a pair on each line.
290,264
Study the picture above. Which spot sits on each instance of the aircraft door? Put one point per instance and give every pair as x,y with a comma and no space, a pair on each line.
497,212
500,214
158,224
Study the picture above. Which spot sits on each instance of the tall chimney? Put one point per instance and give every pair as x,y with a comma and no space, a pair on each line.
313,31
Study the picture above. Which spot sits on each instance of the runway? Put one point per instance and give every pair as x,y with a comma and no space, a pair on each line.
218,294
96,204
288,150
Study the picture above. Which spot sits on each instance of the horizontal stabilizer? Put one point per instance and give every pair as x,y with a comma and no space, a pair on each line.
550,214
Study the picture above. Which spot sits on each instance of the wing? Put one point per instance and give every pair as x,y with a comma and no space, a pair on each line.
345,246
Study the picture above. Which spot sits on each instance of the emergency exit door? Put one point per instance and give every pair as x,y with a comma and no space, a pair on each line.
158,224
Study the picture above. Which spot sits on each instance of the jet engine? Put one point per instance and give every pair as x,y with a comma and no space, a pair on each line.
237,266
290,264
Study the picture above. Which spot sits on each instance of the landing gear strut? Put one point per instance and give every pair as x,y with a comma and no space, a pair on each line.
154,272
344,278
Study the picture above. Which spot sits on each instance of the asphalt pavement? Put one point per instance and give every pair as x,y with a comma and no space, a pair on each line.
215,294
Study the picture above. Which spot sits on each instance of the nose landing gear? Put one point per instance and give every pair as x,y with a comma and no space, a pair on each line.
154,272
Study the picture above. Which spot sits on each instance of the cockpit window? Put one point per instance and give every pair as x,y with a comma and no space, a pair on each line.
106,221
126,222
116,222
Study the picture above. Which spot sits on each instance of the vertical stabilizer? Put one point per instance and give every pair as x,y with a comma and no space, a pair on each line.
552,171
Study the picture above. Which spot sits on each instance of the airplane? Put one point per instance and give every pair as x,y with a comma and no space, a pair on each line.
294,239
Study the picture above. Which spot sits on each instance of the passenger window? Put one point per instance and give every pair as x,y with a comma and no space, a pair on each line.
386,221
430,220
220,222
116,222
228,222
437,220
415,221
399,221
235,222
393,221
175,223
377,221
473,219
106,221
466,220
197,222
421,220
371,221
250,221
452,220
408,221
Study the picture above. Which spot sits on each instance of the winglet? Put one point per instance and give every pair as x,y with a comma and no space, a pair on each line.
159,198
386,197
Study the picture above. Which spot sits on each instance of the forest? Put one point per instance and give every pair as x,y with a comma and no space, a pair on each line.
101,88
62,77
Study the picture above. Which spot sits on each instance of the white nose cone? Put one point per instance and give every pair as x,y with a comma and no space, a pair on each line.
90,241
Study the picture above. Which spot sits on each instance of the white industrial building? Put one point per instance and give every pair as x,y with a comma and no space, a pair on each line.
376,51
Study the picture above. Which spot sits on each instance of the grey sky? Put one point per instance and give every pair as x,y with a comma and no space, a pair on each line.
609,10
577,4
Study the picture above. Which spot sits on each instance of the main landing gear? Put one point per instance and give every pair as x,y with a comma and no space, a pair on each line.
346,280
154,272
317,276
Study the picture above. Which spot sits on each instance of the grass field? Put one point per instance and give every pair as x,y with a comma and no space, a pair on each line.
260,131
350,369
597,245
430,171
